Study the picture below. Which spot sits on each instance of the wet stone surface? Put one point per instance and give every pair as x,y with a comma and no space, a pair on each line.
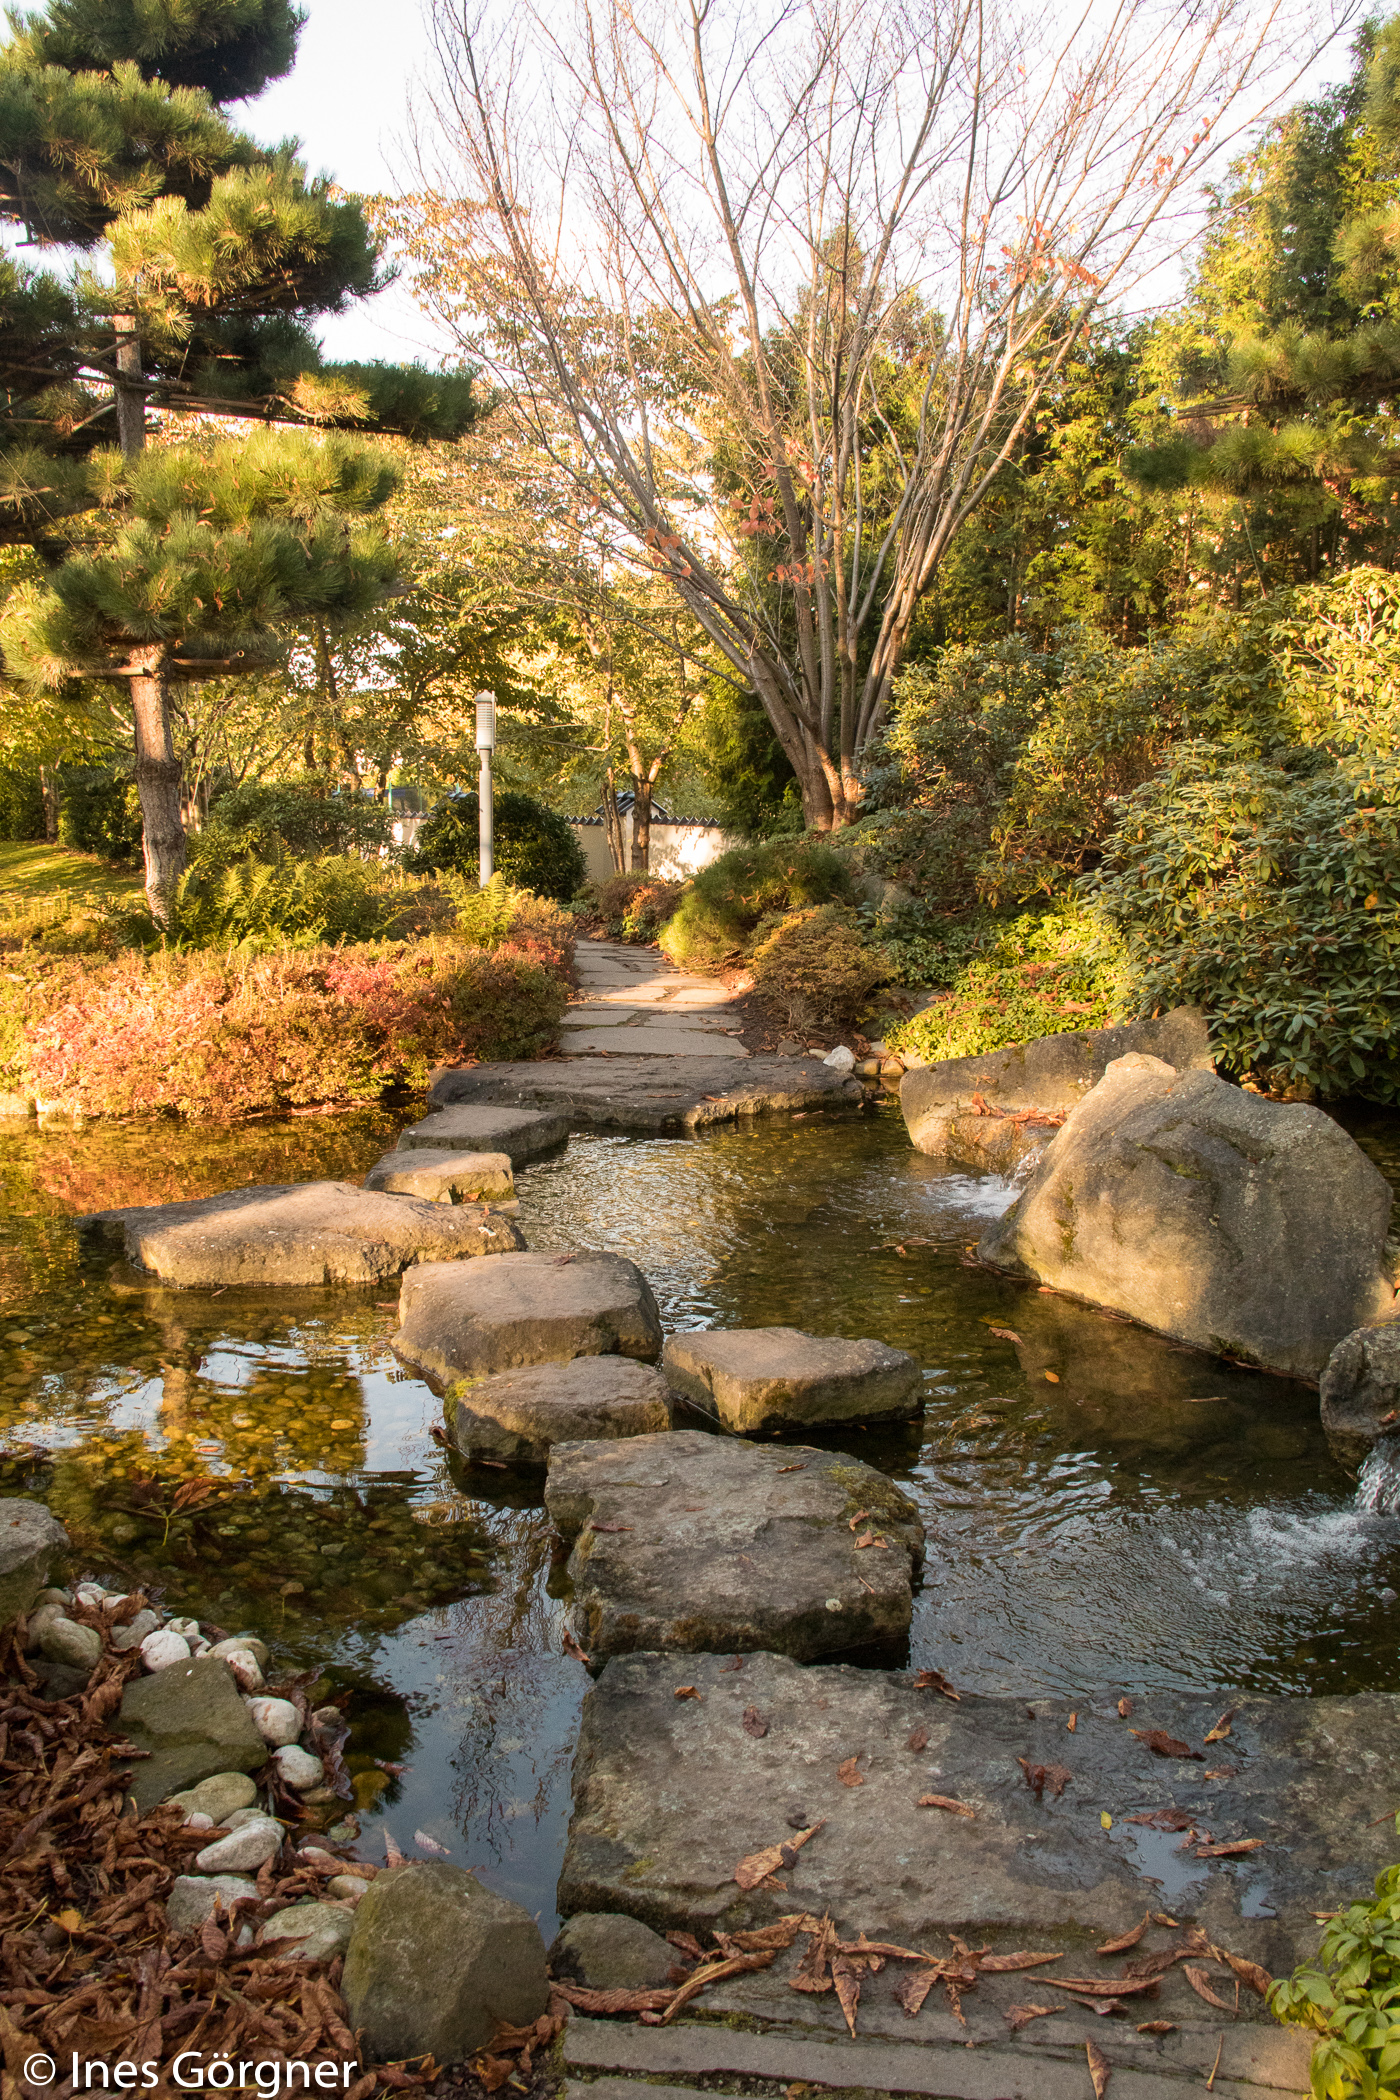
650,1093
757,1380
523,1309
518,1416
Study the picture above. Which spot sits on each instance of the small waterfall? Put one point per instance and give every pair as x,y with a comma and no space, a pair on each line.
1378,1484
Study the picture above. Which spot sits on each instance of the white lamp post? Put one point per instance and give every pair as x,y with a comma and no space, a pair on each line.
486,744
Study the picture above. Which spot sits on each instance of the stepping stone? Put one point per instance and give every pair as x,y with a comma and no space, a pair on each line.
191,1720
670,1794
444,1177
521,1133
692,1542
318,1232
518,1415
646,1093
655,1041
756,1380
523,1309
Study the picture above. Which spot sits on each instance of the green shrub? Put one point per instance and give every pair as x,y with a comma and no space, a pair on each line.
100,812
817,968
21,804
533,926
533,847
259,904
636,907
1349,1996
1041,974
303,817
727,903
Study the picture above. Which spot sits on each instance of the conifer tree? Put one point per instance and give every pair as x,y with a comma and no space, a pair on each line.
209,260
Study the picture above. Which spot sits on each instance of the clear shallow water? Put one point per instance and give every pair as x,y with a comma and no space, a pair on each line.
1144,1518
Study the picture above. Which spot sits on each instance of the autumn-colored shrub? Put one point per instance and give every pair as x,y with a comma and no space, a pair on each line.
636,907
724,909
817,968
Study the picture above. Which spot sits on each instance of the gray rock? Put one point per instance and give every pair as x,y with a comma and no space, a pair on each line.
246,1847
517,1416
642,1093
465,1319
654,1835
134,1632
690,1541
436,1962
308,1932
259,1650
297,1767
522,1134
277,1721
1360,1391
348,1887
1250,1228
193,1722
609,1952
38,1622
444,1177
30,1538
316,1232
193,1899
65,1641
761,1379
940,1102
218,1797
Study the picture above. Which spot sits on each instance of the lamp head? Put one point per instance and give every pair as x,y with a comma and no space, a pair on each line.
485,721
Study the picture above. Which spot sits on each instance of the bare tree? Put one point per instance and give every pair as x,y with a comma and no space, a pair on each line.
781,283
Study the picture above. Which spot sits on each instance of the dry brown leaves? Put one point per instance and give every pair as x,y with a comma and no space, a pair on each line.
1163,1745
1222,1727
758,1868
1230,1850
1038,1777
1127,1939
935,1681
1200,1981
1019,2016
754,1723
954,1808
493,2065
1100,2069
847,1771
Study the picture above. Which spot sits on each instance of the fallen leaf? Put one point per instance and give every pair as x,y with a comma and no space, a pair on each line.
1199,1980
913,1987
847,1774
1163,1745
1128,1939
70,1920
1159,1917
1006,1334
867,1538
1164,1819
777,1936
954,1808
754,1723
1157,2027
1105,1820
1053,1378
586,2000
1248,1971
935,1681
846,1977
812,1972
1100,2069
610,1527
688,1944
213,1941
1019,2016
794,1469
1150,1966
1232,1850
736,1664
1222,1772
1125,1707
430,1844
757,1866
1105,2006
713,1972
1071,1724
685,1691
1004,1964
1038,1777
493,2071
571,1647
858,1518
1222,1727
1128,1986
392,1854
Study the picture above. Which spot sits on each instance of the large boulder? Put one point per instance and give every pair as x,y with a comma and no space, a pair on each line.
316,1232
31,1537
444,1177
761,1380
436,1963
464,1319
1360,1391
516,1417
1254,1229
691,1542
995,1110
192,1720
522,1134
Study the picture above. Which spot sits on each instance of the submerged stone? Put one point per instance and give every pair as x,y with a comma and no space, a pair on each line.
1251,1228
522,1134
762,1379
444,1177
690,1542
316,1232
1360,1391
463,1320
31,1538
517,1416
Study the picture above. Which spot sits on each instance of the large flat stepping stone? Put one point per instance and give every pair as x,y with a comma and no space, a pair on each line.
317,1232
522,1134
756,1380
693,1542
652,1093
191,1721
656,1039
518,1416
671,1794
444,1177
523,1309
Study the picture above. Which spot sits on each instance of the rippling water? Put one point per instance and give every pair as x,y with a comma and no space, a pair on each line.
1103,1510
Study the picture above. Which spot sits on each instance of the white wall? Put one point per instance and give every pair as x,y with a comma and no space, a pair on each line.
677,850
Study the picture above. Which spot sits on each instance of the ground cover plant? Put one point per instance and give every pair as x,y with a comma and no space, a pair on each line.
1011,980
1349,1996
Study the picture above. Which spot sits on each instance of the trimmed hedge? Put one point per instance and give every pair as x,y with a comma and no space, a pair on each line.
816,968
728,903
533,847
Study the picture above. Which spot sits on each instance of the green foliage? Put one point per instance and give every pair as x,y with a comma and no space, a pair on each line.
100,812
259,905
534,848
21,803
753,789
817,968
728,902
636,907
1349,1996
301,817
1010,982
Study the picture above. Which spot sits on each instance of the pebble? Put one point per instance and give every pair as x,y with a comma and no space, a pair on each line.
1387,1596
124,1637
307,1932
243,1849
840,1059
193,1899
188,1627
53,1596
276,1720
243,1644
159,1650
348,1888
244,1665
297,1767
237,1817
65,1641
199,1821
217,1797
36,1623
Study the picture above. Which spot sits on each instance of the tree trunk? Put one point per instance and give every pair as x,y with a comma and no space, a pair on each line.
131,394
157,781
641,826
617,844
52,801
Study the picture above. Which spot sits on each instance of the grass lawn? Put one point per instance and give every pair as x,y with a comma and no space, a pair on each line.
34,875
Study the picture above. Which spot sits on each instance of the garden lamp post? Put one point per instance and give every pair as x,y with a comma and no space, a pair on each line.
486,744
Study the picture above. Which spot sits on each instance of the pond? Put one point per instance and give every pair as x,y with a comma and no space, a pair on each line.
1105,1511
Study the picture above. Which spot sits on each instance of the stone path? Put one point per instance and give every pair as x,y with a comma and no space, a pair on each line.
635,1001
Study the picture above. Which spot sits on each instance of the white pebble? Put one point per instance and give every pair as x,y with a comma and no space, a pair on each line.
199,1821
90,1593
188,1627
244,1665
297,1767
160,1650
276,1720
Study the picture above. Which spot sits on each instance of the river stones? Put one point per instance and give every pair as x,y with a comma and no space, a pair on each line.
981,1111
609,1952
652,1093
195,1898
1254,1229
521,1133
192,1721
318,1232
1360,1391
671,1794
690,1541
30,1539
756,1380
307,1932
465,1319
516,1416
436,1963
444,1177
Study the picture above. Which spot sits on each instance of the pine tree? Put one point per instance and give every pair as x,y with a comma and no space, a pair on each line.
185,561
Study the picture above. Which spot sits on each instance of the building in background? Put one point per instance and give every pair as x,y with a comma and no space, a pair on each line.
680,846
